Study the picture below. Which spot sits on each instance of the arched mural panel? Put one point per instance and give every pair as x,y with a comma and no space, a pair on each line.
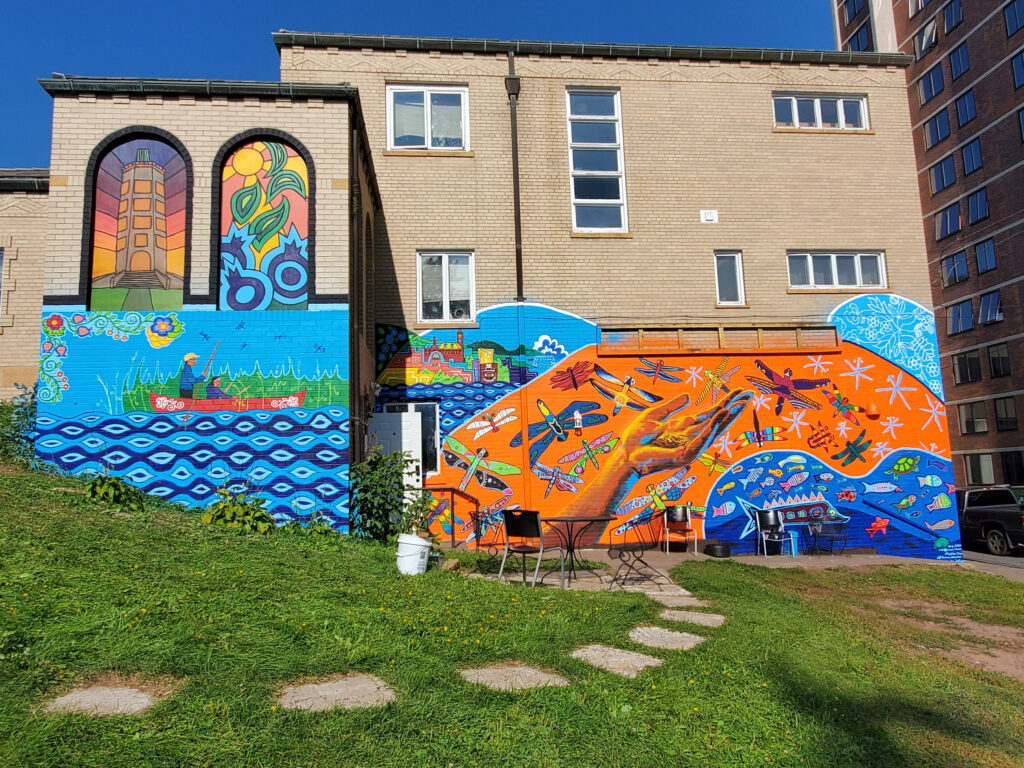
264,228
139,228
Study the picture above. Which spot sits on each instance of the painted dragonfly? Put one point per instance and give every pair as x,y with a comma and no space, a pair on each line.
785,387
854,450
556,478
759,436
490,422
589,451
477,467
669,489
716,381
625,395
490,518
842,405
575,376
656,371
554,427
715,462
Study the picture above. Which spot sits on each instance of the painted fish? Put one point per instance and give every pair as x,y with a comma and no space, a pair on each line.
941,543
752,476
725,509
774,493
794,459
825,477
817,466
793,481
775,472
936,464
768,482
932,481
885,487
737,469
942,501
797,468
880,525
763,458
847,494
726,487
818,487
755,493
941,525
906,502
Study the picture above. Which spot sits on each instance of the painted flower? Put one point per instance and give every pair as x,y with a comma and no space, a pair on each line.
83,331
47,346
78,318
55,322
62,350
162,326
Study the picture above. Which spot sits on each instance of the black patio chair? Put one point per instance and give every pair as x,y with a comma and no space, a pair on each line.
770,527
827,536
630,546
525,526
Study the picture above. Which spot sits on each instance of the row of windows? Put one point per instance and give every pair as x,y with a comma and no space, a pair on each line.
967,365
960,316
973,420
446,282
936,128
979,468
948,220
954,268
802,111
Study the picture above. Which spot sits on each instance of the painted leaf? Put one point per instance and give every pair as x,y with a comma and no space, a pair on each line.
278,157
286,179
245,202
269,223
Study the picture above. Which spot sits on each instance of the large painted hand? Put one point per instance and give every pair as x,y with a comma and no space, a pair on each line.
667,436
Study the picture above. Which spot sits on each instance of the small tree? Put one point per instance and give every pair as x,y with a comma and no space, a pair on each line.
379,494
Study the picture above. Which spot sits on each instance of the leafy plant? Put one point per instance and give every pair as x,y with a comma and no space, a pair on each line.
417,513
115,491
239,510
17,425
379,494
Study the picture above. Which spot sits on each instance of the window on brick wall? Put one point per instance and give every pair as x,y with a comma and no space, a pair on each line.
959,317
861,39
1013,13
943,174
932,83
947,221
977,206
596,174
967,367
914,6
972,419
925,40
972,156
965,109
428,118
1006,414
954,269
979,468
729,278
852,8
959,60
846,113
838,269
1020,119
445,286
1013,468
936,129
952,15
991,310
1018,70
985,253
999,360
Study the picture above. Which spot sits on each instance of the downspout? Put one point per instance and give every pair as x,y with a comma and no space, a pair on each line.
512,88
355,404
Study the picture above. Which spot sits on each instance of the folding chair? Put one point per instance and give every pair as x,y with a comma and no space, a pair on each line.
632,544
770,527
524,524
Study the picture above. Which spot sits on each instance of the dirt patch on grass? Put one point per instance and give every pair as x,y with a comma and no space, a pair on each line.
114,694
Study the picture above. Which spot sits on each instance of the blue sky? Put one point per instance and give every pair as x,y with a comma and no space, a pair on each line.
225,39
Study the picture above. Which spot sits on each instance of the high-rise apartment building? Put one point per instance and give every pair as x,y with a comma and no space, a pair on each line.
966,93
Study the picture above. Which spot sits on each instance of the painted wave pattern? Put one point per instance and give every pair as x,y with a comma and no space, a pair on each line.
907,488
456,402
296,459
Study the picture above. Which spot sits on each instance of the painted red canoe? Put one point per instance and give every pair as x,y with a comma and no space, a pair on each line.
172,404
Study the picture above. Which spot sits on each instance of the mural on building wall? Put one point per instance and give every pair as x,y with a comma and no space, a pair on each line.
138,236
264,227
852,436
182,403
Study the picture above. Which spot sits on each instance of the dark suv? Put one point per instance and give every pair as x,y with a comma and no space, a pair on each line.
993,515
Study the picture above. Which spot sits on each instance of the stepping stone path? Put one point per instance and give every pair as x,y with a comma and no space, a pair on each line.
667,639
512,677
625,663
344,692
105,700
677,601
694,617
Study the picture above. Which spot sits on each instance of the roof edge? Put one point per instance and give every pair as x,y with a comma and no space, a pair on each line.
24,179
286,38
63,85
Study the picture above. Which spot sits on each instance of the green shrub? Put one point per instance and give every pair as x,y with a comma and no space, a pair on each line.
18,424
239,510
116,492
378,495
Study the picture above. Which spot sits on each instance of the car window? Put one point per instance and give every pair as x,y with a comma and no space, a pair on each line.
960,500
992,498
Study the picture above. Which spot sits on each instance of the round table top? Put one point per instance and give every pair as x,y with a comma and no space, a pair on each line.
577,518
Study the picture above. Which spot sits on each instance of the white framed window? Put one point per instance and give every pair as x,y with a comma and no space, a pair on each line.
837,269
597,177
729,278
428,117
811,112
972,419
979,468
430,436
991,308
445,286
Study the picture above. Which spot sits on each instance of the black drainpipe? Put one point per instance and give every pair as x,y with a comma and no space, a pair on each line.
512,88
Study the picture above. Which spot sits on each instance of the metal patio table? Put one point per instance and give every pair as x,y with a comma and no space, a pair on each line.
570,532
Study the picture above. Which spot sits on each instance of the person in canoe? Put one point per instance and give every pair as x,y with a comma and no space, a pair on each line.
189,378
214,392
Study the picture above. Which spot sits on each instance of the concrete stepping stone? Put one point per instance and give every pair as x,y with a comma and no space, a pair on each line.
345,692
625,663
512,677
677,601
102,700
666,639
694,617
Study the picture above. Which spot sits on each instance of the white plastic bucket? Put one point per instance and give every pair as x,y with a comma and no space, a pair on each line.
413,553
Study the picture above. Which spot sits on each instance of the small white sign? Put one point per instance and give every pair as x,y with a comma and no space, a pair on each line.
709,217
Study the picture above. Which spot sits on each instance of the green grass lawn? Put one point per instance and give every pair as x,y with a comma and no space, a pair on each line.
807,671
